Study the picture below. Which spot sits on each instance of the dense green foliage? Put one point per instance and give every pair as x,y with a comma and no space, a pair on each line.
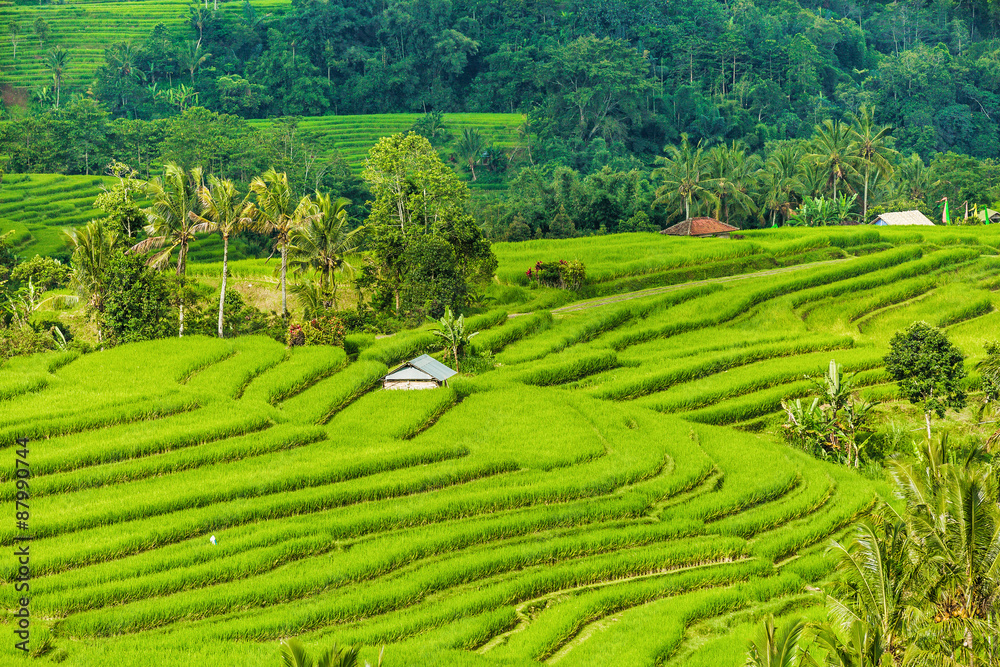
766,95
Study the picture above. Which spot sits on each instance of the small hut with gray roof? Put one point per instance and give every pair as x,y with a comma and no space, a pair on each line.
899,218
420,373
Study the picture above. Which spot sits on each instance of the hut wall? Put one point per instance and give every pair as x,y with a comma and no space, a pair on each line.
410,384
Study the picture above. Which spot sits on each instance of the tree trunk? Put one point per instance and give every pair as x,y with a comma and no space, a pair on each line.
284,270
180,296
864,214
927,418
225,267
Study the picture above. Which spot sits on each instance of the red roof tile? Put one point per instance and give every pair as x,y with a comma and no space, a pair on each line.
703,226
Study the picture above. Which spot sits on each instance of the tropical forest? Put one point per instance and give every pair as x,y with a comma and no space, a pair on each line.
500,333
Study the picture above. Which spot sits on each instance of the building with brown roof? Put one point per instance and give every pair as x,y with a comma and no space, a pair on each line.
702,226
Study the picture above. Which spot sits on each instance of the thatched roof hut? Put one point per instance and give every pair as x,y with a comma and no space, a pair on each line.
702,227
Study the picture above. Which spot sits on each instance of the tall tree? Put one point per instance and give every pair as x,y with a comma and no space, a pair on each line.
278,212
685,176
732,169
833,149
42,30
324,243
423,241
57,60
470,147
93,246
14,30
870,142
225,210
175,199
780,182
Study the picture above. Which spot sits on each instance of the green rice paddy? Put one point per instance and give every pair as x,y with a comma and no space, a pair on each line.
86,28
607,494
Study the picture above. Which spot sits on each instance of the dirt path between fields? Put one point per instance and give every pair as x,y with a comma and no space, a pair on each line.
653,291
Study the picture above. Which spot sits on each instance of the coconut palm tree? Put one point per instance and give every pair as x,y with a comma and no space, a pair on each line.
175,199
226,211
780,181
685,176
57,60
732,172
776,647
323,243
93,247
191,57
875,588
470,147
915,178
834,151
278,212
871,148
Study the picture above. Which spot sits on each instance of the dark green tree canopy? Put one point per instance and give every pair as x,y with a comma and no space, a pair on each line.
425,246
928,368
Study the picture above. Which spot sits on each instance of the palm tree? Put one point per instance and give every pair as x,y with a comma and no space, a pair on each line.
834,151
953,522
57,60
684,174
191,57
870,144
93,247
471,146
859,646
175,199
780,180
876,578
323,243
732,173
915,178
293,654
277,212
225,211
776,647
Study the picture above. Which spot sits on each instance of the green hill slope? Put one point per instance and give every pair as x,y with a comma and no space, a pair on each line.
583,500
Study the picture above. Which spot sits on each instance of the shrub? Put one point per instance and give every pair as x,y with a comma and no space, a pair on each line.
137,302
322,330
44,273
562,274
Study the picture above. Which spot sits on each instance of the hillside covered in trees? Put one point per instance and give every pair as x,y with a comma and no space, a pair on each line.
601,89
635,73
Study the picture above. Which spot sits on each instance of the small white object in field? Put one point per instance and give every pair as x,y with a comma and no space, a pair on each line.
212,539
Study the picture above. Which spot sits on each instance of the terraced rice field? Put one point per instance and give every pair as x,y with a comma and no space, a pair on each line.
38,207
353,136
588,501
86,28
